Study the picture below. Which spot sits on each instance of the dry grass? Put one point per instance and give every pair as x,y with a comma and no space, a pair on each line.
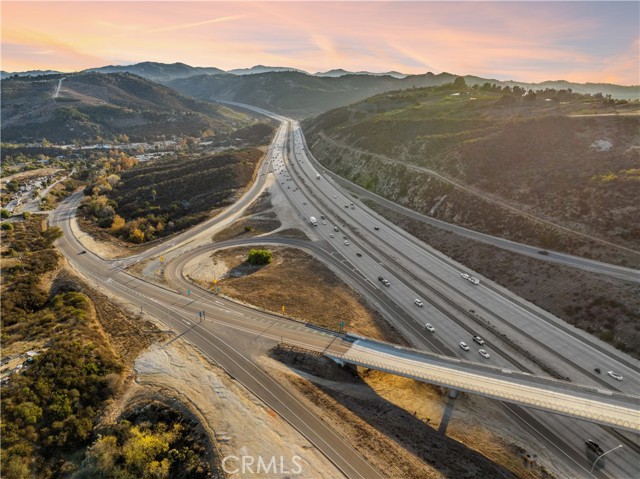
309,291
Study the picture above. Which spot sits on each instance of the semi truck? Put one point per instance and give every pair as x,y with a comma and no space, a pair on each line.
313,221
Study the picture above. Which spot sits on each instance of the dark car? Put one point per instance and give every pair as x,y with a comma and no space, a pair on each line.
380,278
376,228
543,252
358,254
594,447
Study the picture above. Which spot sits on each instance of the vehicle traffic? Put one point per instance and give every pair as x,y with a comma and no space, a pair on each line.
430,328
483,353
616,376
464,346
470,278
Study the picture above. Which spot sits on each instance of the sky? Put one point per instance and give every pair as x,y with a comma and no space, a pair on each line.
506,40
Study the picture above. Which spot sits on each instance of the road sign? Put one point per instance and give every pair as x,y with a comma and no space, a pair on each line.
188,292
341,325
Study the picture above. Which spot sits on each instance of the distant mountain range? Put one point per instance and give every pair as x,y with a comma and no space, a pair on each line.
339,72
169,71
298,93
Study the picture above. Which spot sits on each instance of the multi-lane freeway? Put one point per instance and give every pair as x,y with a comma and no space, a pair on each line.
457,309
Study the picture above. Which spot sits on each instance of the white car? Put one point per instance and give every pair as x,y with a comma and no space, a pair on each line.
386,283
478,339
418,302
472,279
346,243
430,328
615,375
483,353
464,346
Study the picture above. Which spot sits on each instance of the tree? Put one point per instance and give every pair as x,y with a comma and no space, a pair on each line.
5,213
6,226
459,83
118,223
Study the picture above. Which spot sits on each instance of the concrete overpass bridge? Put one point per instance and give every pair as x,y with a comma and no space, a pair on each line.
601,406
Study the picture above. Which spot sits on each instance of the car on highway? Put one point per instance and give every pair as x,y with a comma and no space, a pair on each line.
418,302
335,196
464,346
594,447
346,206
335,228
483,353
324,222
615,375
470,278
386,283
380,278
478,339
359,254
430,328
346,243
332,235
377,228
304,202
322,217
543,252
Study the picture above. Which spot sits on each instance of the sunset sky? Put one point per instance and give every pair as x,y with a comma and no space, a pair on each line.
526,41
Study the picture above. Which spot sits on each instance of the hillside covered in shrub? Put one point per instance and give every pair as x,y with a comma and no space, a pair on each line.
139,203
492,158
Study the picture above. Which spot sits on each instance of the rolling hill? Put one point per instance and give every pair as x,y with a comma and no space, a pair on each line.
295,93
496,161
299,94
94,105
158,72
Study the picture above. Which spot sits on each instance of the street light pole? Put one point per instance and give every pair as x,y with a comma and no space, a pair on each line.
604,454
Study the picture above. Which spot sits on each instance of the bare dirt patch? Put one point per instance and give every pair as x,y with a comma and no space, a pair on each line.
603,306
239,422
308,290
385,417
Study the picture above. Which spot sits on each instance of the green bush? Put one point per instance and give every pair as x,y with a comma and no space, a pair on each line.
7,226
259,256
5,213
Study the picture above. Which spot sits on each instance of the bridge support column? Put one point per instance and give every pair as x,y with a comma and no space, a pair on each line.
453,393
